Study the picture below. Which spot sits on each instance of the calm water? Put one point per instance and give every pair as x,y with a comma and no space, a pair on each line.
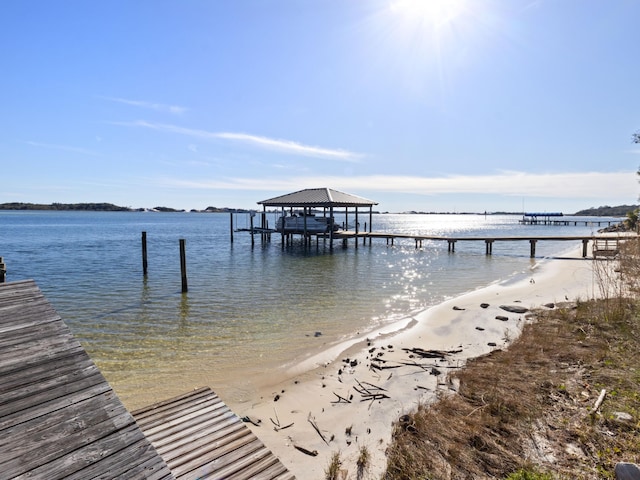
248,310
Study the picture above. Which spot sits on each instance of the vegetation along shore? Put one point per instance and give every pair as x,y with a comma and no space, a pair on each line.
603,211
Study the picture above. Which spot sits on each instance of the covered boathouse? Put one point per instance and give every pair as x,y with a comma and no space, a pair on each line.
301,206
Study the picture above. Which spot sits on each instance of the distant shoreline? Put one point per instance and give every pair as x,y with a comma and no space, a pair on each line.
605,211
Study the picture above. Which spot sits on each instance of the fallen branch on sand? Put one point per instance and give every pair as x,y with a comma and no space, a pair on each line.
311,453
277,427
341,399
369,391
431,353
312,421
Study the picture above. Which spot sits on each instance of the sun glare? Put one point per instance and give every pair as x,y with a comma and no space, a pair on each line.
436,13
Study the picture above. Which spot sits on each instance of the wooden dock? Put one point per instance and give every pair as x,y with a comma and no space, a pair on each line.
200,437
488,241
60,418
558,219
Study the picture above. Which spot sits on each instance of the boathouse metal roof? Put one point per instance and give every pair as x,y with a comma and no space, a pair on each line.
318,197
60,418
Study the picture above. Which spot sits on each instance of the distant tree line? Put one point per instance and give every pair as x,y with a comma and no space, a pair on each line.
102,207
607,211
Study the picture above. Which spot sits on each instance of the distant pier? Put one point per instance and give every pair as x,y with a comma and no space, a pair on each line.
557,218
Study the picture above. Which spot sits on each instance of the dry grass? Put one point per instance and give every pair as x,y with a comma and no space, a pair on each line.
524,411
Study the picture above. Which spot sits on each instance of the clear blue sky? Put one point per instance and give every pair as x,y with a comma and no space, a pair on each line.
434,105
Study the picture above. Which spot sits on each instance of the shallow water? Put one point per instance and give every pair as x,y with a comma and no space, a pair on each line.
248,309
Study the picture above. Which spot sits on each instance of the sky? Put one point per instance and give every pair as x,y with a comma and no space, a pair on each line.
427,105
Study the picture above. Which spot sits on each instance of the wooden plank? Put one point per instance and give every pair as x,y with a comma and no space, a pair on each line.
266,469
176,424
201,394
52,406
63,394
232,462
179,413
232,435
53,428
37,372
192,432
97,450
25,458
144,464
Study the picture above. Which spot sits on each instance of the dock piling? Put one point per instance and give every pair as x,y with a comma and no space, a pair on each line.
3,270
183,265
144,254
488,247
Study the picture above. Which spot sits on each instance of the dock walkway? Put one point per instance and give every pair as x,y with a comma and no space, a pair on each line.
60,418
198,435
488,241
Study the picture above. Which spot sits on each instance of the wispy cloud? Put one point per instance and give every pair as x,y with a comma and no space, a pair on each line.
160,107
596,185
65,148
283,146
291,147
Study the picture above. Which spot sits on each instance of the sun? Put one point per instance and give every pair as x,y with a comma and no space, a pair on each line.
433,13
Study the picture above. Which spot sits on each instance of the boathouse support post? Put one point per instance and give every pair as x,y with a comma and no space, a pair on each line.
357,229
144,254
282,236
452,246
331,229
533,247
304,223
251,228
183,265
346,224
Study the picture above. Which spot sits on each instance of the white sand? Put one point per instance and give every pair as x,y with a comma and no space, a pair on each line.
311,389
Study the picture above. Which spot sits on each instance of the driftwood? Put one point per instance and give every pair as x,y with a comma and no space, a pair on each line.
599,401
341,399
311,453
276,423
431,353
253,421
311,420
369,391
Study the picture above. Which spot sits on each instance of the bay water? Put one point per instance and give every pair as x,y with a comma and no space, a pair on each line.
249,310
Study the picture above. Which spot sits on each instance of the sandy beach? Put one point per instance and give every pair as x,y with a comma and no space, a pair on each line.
349,396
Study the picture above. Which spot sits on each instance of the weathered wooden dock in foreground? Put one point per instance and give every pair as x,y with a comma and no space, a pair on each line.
60,418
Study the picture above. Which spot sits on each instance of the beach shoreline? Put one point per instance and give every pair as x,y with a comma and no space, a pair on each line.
349,396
